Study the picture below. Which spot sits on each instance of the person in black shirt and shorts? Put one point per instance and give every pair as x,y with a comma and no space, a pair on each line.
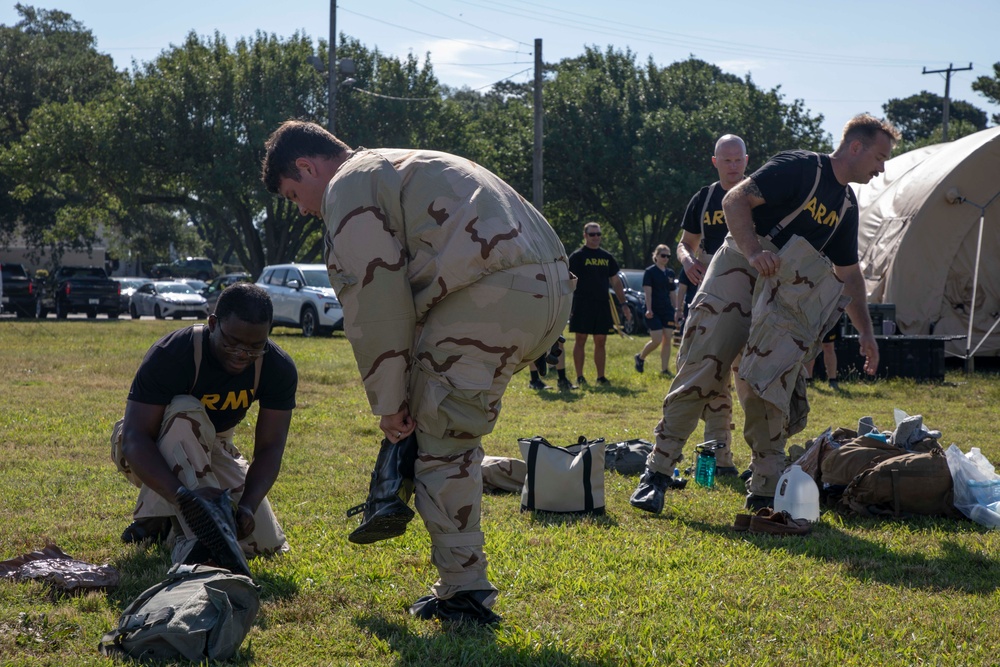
658,286
596,270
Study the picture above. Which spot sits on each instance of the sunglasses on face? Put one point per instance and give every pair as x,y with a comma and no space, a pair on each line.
593,233
663,255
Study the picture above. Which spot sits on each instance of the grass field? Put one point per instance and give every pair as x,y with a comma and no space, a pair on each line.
626,589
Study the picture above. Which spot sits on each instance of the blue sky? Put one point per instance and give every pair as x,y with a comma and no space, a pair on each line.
839,57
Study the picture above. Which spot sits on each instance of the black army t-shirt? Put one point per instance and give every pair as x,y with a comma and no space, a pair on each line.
714,220
784,182
168,371
593,269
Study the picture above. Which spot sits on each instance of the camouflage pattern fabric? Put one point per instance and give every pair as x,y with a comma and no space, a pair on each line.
503,474
405,229
718,417
450,282
791,311
718,330
200,458
469,346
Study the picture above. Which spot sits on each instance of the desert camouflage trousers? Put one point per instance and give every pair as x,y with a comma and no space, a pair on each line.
199,457
465,352
719,327
791,312
718,417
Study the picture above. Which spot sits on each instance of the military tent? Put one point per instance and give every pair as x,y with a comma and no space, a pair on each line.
930,234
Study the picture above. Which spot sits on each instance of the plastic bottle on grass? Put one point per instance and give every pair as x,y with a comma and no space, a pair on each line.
797,494
984,516
704,469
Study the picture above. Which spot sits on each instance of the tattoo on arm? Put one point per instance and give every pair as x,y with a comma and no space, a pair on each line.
752,189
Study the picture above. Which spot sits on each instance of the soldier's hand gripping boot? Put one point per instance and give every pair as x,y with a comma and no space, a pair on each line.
386,512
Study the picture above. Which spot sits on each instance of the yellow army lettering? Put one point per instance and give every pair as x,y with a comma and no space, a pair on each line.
596,262
234,401
716,218
818,212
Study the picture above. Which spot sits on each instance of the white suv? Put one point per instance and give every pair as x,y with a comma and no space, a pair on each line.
302,297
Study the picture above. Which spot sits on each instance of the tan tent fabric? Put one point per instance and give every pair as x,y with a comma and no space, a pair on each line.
918,251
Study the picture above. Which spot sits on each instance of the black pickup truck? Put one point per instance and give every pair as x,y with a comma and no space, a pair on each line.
18,290
79,289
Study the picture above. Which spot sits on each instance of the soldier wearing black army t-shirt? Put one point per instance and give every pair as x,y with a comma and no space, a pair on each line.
703,231
190,391
800,202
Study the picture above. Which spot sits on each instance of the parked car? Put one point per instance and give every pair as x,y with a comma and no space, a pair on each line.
194,283
214,288
635,300
128,285
165,298
78,289
17,290
303,298
187,267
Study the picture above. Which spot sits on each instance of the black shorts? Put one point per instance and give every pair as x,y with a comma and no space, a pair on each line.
833,335
591,317
661,319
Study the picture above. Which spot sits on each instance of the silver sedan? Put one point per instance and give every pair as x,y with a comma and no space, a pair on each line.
163,298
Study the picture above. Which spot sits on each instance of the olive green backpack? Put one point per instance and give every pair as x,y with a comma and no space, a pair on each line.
198,612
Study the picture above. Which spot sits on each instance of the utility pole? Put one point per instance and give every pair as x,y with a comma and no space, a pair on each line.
536,174
947,92
331,68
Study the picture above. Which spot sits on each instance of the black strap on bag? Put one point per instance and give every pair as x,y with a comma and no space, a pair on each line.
588,467
532,463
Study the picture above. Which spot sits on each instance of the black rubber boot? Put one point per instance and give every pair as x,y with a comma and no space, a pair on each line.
214,524
386,512
649,494
463,607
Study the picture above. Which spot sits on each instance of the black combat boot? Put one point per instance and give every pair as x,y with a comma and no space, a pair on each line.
649,494
386,512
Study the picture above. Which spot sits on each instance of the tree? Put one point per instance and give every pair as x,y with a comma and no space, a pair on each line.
628,145
180,148
47,57
989,87
918,116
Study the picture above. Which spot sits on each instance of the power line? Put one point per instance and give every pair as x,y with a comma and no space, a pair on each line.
427,34
593,24
390,97
437,11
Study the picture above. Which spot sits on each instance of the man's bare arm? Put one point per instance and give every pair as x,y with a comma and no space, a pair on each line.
738,205
687,255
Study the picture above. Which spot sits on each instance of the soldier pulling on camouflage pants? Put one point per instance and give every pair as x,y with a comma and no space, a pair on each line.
450,283
768,274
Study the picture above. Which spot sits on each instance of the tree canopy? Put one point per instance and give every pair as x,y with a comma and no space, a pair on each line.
918,116
168,154
46,58
989,87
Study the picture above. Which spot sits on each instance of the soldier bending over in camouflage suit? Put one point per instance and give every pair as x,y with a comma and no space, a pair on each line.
450,283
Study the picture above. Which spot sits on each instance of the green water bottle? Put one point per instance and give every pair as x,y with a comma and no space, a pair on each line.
704,469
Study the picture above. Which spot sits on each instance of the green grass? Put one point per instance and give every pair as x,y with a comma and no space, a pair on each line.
626,589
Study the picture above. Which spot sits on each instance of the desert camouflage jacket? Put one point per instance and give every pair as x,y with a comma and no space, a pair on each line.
405,228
